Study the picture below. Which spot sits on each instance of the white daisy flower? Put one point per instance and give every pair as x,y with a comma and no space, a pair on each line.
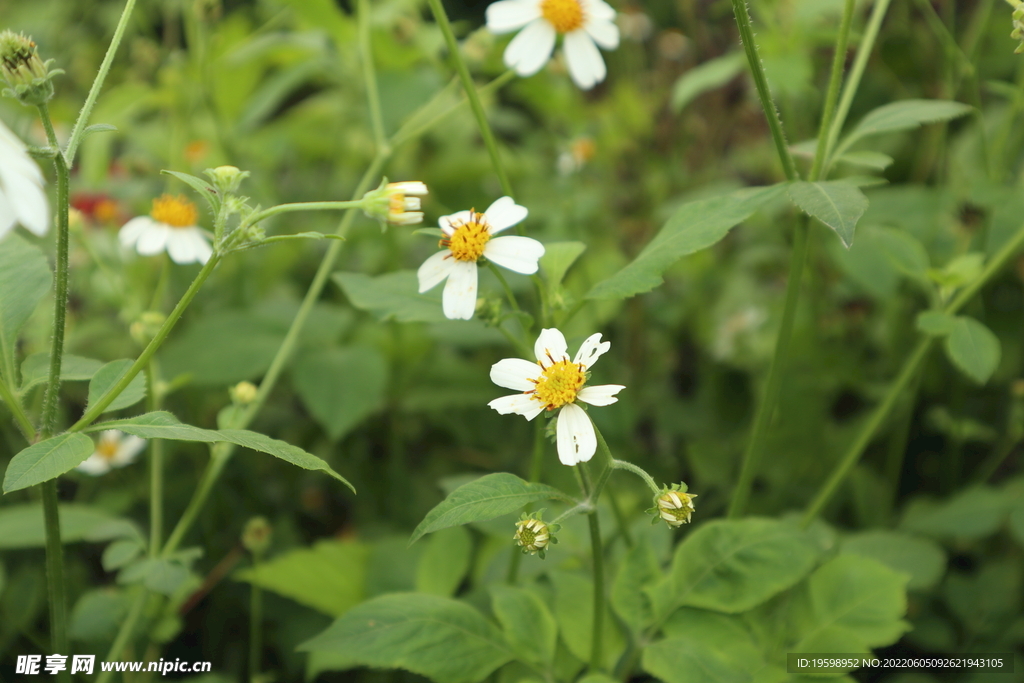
556,383
114,449
22,199
170,226
584,23
468,236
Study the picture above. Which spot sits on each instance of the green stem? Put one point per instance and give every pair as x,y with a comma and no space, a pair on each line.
302,206
597,553
370,78
536,469
55,574
504,285
898,444
219,456
474,98
834,81
154,401
14,404
124,634
142,361
991,465
255,625
90,101
630,467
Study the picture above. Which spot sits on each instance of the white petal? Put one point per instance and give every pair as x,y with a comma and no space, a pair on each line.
21,184
509,15
153,239
7,217
129,449
515,373
591,349
601,395
575,435
202,248
604,33
598,9
435,269
531,48
457,218
95,465
520,254
180,246
133,229
586,66
520,404
550,347
459,298
503,214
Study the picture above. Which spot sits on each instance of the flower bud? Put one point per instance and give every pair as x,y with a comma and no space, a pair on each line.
27,75
256,536
395,203
533,534
226,178
243,393
674,505
145,328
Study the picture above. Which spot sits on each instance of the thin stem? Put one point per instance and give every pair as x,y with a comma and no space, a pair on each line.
536,469
597,553
370,78
474,98
509,294
14,404
255,624
154,401
219,456
55,573
124,634
834,81
90,101
630,467
991,465
898,444
302,206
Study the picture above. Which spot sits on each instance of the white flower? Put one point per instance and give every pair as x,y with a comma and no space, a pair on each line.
170,226
468,236
114,449
404,202
584,23
554,383
22,199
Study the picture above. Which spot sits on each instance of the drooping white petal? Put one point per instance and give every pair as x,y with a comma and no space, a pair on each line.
604,33
575,435
435,269
520,404
153,239
180,246
598,9
21,187
459,298
95,465
129,449
515,373
133,229
586,66
7,217
509,15
531,48
520,254
503,214
591,349
600,395
550,347
449,223
202,248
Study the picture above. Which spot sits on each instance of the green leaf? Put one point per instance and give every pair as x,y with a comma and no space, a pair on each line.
836,203
223,349
904,115
342,387
712,74
527,622
638,568
732,566
282,450
973,348
47,460
485,498
158,574
120,553
24,280
867,159
936,323
557,259
329,577
202,188
392,296
36,369
574,610
922,559
107,376
694,226
21,526
973,513
683,660
98,615
904,251
444,562
440,638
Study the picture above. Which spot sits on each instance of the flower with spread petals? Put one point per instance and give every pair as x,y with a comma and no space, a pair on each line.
533,534
170,226
469,235
114,449
674,505
22,199
556,383
585,25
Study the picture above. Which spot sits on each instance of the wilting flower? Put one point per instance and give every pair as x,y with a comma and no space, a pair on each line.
467,237
22,199
170,226
556,383
396,203
533,534
114,449
584,23
674,505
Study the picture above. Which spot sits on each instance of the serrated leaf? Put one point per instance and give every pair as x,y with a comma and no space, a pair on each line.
973,348
936,323
694,226
681,660
35,369
922,559
202,188
99,128
527,622
109,375
440,638
904,115
24,280
712,74
342,387
485,498
557,259
21,526
867,159
47,460
836,203
392,296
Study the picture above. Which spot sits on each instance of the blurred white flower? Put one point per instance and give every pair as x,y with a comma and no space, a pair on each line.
171,227
584,23
22,199
468,236
114,449
555,383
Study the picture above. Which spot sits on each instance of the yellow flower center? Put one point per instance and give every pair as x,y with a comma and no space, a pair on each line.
107,448
564,15
559,384
469,239
176,212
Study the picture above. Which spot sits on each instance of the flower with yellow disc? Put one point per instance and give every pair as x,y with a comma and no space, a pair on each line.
114,449
171,227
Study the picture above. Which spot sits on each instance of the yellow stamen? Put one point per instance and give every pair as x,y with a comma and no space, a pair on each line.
176,212
469,239
559,384
565,15
107,448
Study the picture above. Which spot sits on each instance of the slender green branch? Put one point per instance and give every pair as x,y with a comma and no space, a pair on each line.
154,401
597,553
219,455
94,92
640,472
256,622
302,206
536,469
370,78
55,573
18,411
474,98
124,634
509,294
834,81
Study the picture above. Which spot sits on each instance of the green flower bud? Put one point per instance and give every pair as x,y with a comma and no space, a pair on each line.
243,393
674,505
29,78
226,178
533,534
256,536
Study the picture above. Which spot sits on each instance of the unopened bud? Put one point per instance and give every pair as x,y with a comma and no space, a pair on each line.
243,393
534,535
226,178
256,536
674,505
27,75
